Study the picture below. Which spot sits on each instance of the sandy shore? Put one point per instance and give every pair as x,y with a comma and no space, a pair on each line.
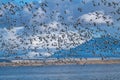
57,62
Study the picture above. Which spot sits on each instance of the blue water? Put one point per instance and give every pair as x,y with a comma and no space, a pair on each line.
62,72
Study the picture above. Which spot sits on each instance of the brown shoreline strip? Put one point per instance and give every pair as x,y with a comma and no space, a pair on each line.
59,62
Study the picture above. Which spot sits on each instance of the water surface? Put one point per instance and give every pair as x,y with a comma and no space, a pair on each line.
62,72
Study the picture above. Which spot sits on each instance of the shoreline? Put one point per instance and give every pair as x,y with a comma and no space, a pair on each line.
57,62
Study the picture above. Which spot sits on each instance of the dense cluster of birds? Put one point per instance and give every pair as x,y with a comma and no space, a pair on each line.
41,30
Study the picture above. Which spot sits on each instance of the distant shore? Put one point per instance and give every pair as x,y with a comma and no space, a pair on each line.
58,62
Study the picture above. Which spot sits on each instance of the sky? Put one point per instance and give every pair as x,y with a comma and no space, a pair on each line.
42,27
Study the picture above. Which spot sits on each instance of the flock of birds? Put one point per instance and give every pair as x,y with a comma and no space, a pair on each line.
31,34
